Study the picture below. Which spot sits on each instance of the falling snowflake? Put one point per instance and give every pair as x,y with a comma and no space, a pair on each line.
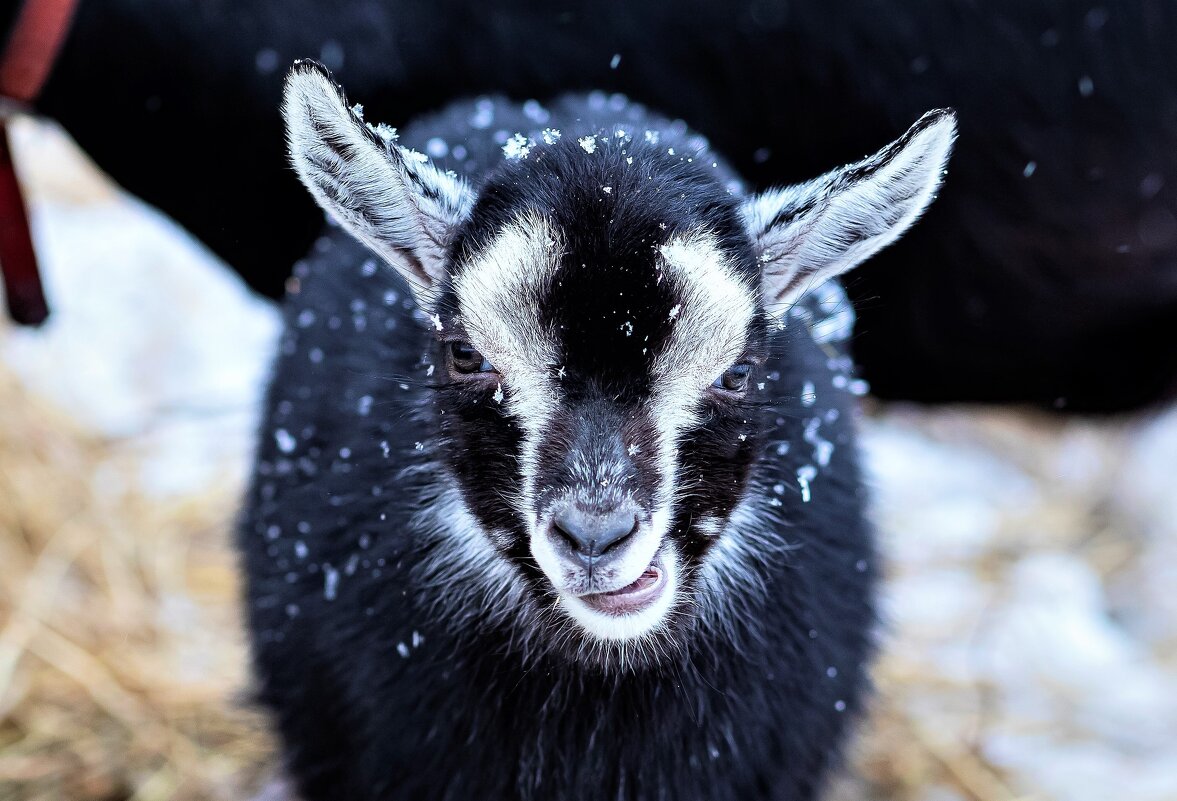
806,474
285,441
535,111
330,582
808,394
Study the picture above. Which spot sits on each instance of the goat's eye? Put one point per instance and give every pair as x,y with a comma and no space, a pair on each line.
466,359
735,378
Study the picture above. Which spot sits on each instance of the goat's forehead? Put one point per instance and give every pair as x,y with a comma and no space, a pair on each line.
567,299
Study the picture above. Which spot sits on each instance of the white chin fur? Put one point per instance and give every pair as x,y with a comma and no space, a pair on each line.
637,558
632,626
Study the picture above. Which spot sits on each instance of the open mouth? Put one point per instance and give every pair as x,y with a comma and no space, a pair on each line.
636,596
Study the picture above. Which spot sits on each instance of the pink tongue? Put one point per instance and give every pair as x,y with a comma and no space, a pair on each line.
647,579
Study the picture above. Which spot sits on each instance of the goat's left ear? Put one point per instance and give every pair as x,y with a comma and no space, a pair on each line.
806,234
392,199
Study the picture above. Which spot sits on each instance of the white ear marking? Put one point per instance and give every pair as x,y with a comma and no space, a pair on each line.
807,234
392,199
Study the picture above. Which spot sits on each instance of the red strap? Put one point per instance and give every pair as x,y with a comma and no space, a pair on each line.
22,283
36,39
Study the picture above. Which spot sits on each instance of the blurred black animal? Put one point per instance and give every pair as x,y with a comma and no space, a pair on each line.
566,506
1047,273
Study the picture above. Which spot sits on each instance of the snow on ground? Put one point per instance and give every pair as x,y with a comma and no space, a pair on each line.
1031,630
151,340
1030,645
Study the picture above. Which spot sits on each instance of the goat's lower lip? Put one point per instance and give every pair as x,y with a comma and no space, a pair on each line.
633,597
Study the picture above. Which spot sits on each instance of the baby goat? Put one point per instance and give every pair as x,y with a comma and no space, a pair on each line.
564,505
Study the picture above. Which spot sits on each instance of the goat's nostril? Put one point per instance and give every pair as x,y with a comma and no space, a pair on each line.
565,532
623,533
590,533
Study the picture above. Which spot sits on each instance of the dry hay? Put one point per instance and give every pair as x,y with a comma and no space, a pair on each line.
121,656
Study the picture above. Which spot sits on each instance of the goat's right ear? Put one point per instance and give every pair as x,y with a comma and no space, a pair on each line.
390,198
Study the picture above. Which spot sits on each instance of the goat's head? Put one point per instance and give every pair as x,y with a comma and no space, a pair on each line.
601,309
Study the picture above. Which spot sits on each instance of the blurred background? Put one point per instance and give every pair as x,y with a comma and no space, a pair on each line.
1030,620
1030,649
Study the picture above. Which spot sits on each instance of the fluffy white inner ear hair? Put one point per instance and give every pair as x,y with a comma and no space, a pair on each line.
390,198
806,234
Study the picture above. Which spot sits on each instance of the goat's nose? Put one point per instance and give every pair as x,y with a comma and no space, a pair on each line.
590,533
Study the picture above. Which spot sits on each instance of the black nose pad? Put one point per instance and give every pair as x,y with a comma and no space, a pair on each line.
590,533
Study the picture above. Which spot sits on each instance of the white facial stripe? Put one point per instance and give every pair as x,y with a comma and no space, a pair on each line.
709,334
710,322
499,297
